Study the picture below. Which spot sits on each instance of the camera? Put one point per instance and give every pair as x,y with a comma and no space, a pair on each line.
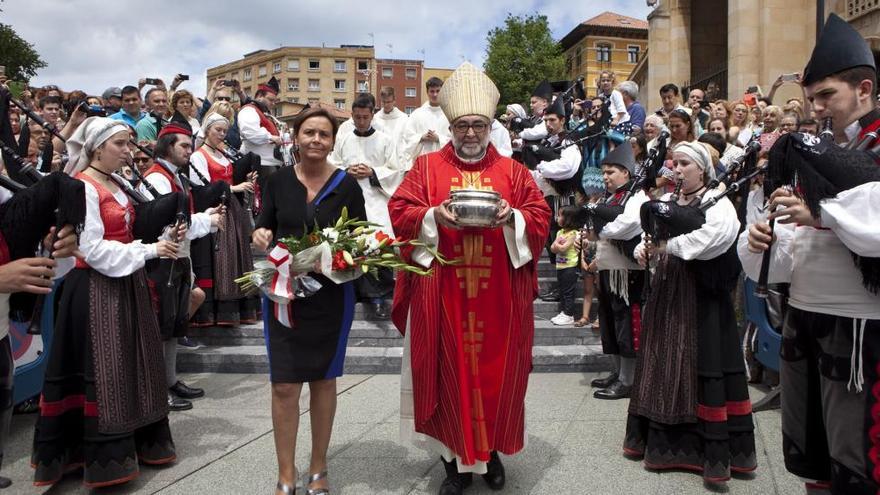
229,83
92,110
183,77
587,105
704,103
151,80
790,77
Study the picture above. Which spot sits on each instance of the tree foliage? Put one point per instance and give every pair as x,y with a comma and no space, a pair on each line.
520,54
18,56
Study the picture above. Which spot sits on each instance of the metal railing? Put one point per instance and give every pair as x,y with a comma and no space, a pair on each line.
716,77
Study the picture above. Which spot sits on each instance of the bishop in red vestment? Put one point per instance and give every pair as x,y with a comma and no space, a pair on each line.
469,327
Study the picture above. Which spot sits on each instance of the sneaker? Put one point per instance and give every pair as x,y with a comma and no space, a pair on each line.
562,319
188,343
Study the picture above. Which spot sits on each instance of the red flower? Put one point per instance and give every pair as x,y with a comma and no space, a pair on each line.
339,261
381,236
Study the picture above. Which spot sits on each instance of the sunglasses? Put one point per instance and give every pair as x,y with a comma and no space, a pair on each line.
223,98
139,159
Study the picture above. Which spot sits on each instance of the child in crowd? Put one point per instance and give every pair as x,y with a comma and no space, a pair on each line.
587,250
566,263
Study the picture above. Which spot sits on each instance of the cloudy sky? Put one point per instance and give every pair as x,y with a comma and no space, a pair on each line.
93,44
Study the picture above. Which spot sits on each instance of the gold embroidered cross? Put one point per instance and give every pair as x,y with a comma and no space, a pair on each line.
475,264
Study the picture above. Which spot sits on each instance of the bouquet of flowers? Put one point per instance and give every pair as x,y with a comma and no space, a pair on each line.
342,253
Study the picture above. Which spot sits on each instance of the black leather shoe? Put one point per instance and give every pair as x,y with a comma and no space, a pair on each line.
178,404
381,311
617,390
604,382
494,476
184,391
455,482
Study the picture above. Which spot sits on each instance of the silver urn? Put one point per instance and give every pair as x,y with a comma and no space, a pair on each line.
475,208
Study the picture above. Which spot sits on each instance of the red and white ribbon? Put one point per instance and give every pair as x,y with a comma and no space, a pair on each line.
281,285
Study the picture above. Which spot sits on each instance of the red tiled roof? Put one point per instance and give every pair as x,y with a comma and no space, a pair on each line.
610,19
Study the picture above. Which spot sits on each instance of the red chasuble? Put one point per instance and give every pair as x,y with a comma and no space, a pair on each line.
472,324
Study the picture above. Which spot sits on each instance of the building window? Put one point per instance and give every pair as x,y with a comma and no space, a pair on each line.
632,54
568,63
293,65
387,72
314,64
363,87
577,57
340,104
246,90
313,102
339,66
314,85
363,65
293,84
410,73
276,67
410,110
247,75
339,85
293,99
603,53
262,71
410,92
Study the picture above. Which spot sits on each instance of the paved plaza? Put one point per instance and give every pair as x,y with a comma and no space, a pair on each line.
574,447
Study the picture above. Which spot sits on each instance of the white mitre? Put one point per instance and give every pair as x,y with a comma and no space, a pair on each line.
469,91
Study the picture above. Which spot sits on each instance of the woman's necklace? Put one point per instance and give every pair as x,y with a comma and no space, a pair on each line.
689,195
217,153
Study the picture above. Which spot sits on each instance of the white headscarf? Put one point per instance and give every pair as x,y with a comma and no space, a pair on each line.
697,152
517,110
209,120
87,138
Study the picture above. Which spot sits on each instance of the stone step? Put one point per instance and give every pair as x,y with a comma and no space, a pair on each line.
384,334
379,360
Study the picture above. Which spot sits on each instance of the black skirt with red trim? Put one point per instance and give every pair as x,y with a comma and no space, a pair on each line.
66,436
721,438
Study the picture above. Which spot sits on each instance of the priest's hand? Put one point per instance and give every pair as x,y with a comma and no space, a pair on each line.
444,216
504,215
261,238
33,275
431,136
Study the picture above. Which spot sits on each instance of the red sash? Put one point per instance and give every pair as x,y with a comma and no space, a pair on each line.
265,122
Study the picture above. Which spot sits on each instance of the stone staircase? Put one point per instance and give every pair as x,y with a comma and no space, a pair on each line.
375,346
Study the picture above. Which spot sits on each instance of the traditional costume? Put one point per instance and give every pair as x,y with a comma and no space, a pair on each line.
376,150
423,119
257,129
689,405
171,280
538,131
468,328
830,371
225,304
620,280
103,405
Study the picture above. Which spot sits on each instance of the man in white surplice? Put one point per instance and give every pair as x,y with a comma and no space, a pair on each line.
427,128
369,156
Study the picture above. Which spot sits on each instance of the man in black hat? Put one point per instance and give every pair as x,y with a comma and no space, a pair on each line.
620,277
541,98
830,367
557,169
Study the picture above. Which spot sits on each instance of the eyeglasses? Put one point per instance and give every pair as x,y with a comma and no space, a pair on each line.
479,127
223,98
139,159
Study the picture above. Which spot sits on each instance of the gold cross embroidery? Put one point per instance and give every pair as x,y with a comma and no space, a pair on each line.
471,180
476,265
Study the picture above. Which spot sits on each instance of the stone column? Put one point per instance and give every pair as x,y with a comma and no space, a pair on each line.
668,47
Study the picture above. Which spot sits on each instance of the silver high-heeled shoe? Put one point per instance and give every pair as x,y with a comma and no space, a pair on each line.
313,478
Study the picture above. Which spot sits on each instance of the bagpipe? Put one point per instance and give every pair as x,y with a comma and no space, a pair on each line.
242,165
817,169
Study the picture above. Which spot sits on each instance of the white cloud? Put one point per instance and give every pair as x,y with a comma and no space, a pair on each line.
92,44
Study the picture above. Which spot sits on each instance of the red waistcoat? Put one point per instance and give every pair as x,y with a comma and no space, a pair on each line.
216,171
265,122
112,215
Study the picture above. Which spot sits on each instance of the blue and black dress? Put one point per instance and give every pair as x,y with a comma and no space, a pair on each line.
313,348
